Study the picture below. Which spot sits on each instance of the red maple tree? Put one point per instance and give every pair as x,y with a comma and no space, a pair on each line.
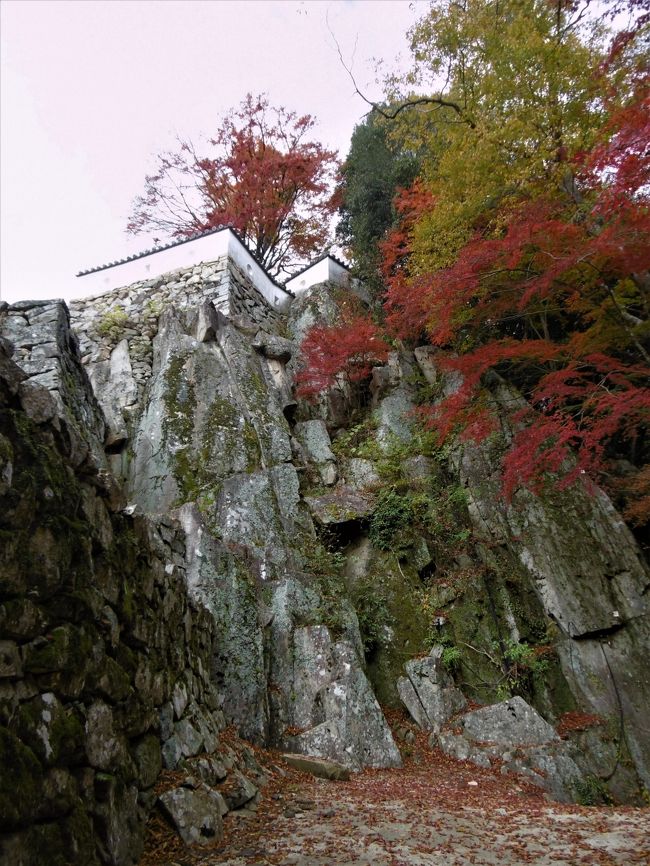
558,301
341,354
263,178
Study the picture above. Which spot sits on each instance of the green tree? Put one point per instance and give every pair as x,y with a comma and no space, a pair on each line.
375,168
518,95
511,263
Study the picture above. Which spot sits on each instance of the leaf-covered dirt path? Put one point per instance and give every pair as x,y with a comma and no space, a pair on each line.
435,811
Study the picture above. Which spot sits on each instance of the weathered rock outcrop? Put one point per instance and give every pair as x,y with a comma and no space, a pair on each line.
575,556
334,713
213,436
589,576
546,596
46,350
516,735
587,572
130,313
210,436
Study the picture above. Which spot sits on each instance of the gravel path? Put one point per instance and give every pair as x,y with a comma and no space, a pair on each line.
344,827
435,811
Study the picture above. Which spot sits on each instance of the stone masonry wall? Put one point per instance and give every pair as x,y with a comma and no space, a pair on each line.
105,662
132,312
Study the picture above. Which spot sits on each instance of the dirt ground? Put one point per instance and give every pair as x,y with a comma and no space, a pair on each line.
435,811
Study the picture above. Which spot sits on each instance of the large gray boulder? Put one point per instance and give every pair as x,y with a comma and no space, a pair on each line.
47,351
237,790
117,393
428,691
261,511
579,559
318,767
334,706
360,474
317,306
273,347
222,582
553,767
393,400
212,411
342,505
513,733
314,438
589,576
276,672
195,813
512,722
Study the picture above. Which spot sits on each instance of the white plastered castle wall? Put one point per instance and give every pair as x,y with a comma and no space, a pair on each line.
207,248
320,272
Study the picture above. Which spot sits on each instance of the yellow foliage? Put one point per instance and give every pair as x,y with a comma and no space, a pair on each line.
522,82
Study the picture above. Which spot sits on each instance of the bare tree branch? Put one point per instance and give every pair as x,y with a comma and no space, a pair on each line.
437,101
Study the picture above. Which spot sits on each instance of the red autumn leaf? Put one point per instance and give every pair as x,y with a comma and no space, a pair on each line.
262,177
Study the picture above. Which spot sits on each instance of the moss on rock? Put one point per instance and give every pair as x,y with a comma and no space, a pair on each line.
54,733
21,781
65,648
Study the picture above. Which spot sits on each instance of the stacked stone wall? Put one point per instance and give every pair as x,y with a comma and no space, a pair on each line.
105,662
131,312
246,301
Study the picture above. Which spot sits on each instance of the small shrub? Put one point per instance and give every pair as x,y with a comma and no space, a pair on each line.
375,620
524,656
327,566
592,791
152,309
349,443
523,664
392,517
451,656
113,323
322,560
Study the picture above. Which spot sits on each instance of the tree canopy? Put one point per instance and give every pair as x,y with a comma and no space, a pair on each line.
376,167
261,175
520,74
523,246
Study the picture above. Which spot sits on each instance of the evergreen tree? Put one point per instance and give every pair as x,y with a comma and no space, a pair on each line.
375,169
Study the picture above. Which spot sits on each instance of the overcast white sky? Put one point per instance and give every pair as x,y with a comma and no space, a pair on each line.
91,89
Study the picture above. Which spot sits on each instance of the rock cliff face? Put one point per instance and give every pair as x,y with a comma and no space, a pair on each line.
588,576
184,546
